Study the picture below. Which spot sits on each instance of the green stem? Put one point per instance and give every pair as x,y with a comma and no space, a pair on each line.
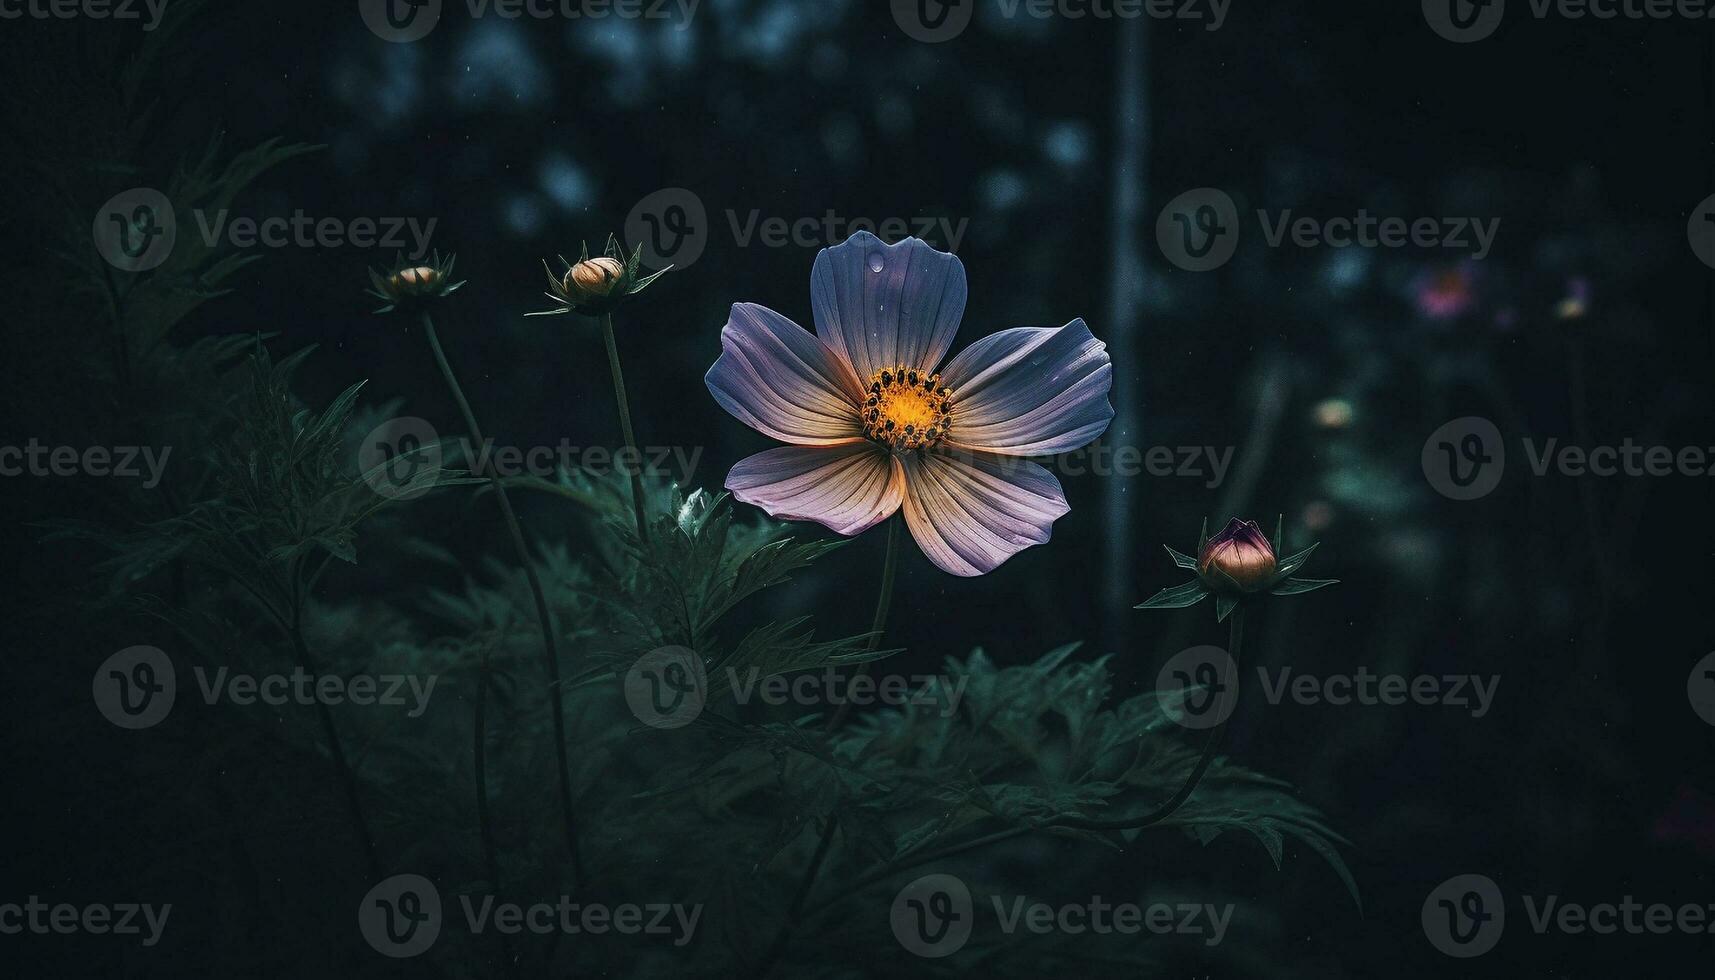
479,752
625,425
1229,690
550,655
795,911
485,824
337,749
883,602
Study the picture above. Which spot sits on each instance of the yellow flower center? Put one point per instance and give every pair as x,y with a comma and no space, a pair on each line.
906,409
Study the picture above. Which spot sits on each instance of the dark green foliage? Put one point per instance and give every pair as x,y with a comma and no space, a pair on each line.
722,813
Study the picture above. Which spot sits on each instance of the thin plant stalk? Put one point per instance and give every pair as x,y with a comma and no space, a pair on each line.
485,825
636,469
1229,691
337,749
883,602
479,759
1159,814
550,653
795,911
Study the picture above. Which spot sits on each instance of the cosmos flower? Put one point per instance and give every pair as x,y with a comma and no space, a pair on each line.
872,427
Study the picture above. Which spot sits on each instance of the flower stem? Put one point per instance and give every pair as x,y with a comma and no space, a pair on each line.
337,749
479,753
883,602
550,655
625,424
1228,691
485,824
796,910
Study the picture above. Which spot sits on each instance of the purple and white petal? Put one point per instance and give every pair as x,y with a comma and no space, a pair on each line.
971,511
882,306
849,489
1031,391
782,381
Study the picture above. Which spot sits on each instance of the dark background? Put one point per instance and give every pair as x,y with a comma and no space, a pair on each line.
1589,140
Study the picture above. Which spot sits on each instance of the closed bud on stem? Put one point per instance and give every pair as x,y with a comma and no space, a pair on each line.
596,286
412,288
1239,558
593,278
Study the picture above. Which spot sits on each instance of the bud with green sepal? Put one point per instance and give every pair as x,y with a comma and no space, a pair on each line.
1234,566
595,287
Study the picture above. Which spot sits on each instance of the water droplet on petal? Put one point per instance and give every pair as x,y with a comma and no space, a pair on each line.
875,262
